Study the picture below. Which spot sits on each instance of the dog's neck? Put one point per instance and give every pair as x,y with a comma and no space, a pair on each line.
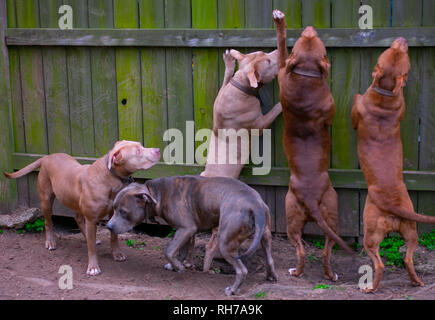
383,92
241,82
306,73
124,178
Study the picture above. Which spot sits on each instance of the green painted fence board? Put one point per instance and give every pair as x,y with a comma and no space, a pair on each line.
56,86
128,75
292,10
104,90
179,71
153,63
8,188
426,200
80,88
205,67
231,14
316,13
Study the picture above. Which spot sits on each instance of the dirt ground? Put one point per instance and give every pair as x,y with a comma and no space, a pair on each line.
29,271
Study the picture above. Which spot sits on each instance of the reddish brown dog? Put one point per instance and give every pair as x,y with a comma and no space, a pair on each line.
89,190
308,110
377,115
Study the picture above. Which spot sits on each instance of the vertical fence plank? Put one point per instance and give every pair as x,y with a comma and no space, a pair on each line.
426,200
153,62
205,67
17,105
179,73
8,188
103,71
80,88
126,15
32,91
56,84
345,82
316,13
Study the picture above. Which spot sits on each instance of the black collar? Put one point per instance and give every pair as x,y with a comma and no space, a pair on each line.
116,175
307,73
384,92
248,90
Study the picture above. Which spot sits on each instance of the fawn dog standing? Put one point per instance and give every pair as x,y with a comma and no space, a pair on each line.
377,115
236,107
89,190
308,110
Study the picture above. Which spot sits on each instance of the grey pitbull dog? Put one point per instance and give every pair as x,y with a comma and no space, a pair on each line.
195,203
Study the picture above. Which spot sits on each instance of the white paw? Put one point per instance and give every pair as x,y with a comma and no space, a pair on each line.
169,267
97,242
292,271
335,277
229,291
277,14
93,271
50,245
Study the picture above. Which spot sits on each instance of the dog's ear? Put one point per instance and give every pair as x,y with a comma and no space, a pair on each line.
377,75
400,83
146,196
324,66
115,158
237,55
290,63
253,77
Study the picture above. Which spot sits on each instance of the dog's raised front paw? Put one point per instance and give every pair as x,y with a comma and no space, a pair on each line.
230,61
277,15
93,270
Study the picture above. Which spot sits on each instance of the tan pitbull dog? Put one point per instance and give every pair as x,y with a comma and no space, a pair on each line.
377,115
237,106
89,190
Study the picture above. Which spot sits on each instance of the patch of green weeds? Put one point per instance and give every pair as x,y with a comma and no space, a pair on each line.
389,249
35,226
322,286
428,240
171,233
260,295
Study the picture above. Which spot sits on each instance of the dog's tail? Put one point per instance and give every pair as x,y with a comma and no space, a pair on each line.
31,167
317,216
260,219
398,211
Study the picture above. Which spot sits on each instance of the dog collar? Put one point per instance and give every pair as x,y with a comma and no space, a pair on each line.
307,73
248,90
115,174
384,92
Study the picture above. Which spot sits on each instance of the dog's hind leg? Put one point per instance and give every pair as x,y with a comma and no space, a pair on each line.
229,252
296,219
47,197
210,250
330,214
266,243
408,230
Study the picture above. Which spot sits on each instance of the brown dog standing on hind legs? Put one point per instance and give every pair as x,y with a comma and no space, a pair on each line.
308,110
88,190
377,115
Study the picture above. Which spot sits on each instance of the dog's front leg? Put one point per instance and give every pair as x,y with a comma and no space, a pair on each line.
91,234
181,237
267,119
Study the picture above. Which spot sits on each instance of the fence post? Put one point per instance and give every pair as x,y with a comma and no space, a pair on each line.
8,188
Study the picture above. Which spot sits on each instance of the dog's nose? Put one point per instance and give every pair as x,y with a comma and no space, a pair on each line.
401,44
156,152
109,226
309,32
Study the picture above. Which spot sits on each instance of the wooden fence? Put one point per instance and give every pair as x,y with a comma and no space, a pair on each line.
130,69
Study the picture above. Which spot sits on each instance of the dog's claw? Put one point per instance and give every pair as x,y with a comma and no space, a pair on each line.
93,271
229,291
278,15
50,245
